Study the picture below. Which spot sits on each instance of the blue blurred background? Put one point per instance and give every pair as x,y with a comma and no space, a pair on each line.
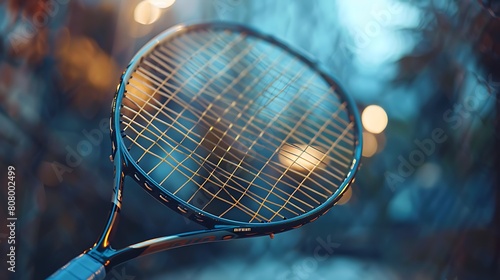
425,74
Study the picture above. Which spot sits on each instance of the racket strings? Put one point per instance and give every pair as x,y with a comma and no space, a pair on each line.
236,203
350,135
250,122
175,168
350,126
250,193
280,69
180,114
308,128
294,162
228,162
336,136
209,176
226,48
208,162
167,142
200,50
241,161
259,145
179,70
240,206
274,186
187,155
253,196
204,160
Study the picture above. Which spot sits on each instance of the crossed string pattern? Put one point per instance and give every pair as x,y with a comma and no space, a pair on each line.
239,124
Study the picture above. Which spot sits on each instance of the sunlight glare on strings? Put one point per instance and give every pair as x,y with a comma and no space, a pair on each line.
302,157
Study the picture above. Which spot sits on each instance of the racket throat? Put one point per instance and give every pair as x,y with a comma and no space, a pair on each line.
115,257
114,213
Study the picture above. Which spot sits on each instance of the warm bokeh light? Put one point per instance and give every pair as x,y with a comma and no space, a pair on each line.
98,70
374,119
345,197
146,13
301,157
162,4
370,144
81,61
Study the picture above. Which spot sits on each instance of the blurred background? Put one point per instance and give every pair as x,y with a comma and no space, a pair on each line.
425,75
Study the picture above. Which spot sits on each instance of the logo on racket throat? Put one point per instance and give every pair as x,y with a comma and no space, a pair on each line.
181,242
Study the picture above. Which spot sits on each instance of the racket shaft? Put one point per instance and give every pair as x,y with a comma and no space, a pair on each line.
80,268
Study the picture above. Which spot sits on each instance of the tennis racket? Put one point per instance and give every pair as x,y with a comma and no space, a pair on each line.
230,128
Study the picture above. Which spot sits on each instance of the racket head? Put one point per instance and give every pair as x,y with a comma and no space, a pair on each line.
299,162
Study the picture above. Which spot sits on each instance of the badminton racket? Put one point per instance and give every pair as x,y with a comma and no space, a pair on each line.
230,128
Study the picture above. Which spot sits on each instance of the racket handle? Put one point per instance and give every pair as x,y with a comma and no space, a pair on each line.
83,267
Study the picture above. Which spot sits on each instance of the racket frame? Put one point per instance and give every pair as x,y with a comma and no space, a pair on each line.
199,216
218,229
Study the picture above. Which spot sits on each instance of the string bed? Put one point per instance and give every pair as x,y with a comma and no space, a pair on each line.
236,126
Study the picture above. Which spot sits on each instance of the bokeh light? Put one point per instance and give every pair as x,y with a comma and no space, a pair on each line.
374,119
162,4
146,13
370,144
301,157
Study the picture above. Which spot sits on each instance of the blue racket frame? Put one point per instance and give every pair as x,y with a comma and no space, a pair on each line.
218,229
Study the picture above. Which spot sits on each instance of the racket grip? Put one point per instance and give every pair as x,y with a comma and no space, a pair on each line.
80,268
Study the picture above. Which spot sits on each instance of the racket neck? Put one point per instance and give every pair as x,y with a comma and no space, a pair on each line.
155,245
102,244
